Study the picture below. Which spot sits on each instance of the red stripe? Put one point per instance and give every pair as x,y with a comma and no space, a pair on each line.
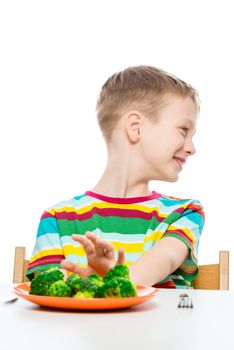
180,233
179,210
197,208
168,284
122,213
46,215
50,259
117,200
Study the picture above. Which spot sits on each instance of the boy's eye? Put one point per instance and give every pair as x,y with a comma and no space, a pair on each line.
185,129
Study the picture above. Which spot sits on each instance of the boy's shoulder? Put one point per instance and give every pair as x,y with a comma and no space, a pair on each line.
176,200
156,200
69,204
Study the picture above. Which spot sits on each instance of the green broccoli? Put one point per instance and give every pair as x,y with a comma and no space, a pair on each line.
119,287
83,295
87,289
117,271
60,289
96,279
73,282
100,292
41,283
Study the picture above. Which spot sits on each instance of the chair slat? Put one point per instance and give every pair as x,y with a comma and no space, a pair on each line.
224,270
18,274
214,276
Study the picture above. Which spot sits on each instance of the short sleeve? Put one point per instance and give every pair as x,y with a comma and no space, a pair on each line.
188,228
48,250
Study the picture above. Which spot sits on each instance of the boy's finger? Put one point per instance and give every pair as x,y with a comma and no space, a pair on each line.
69,266
105,248
121,256
102,247
98,246
85,242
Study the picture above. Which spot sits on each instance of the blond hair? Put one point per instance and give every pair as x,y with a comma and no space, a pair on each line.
142,88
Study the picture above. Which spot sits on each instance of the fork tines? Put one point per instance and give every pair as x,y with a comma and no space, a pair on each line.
185,301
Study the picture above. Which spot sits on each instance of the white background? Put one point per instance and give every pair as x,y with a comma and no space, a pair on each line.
55,56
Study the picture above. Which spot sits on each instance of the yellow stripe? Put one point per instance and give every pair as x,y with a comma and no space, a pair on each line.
129,247
107,206
47,252
155,236
70,249
128,263
187,268
184,229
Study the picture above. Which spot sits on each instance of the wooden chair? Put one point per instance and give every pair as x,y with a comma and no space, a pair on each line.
20,266
214,276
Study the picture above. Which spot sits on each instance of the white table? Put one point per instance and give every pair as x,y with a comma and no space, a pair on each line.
157,324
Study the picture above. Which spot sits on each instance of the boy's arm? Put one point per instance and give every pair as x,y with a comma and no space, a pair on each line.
100,256
163,259
48,251
177,249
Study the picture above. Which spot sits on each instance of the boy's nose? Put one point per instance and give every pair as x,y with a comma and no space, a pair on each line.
190,148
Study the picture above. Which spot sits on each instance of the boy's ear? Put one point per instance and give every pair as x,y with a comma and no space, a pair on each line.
133,126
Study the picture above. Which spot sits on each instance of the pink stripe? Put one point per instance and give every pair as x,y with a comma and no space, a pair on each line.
122,213
183,234
117,200
46,215
50,259
179,233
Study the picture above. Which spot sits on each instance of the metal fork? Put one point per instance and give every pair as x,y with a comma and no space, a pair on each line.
9,297
185,301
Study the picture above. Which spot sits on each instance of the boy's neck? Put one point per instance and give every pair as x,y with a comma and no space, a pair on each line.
121,180
113,190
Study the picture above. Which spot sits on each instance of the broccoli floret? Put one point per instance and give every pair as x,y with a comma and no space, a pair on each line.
117,271
41,283
100,292
60,289
73,282
83,295
87,289
119,287
96,279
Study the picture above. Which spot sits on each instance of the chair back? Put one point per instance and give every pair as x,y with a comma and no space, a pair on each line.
214,276
20,266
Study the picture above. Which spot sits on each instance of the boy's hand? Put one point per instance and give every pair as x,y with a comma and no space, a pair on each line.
100,256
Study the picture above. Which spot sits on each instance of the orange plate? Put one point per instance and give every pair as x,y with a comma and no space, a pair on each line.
143,294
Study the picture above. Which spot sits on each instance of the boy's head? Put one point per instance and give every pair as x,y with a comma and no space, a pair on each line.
143,88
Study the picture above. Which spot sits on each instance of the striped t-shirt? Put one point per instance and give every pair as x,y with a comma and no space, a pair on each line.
135,224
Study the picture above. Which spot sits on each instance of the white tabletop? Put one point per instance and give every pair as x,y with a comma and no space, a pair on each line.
157,324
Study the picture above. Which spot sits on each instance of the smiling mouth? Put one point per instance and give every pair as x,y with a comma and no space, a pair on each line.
179,161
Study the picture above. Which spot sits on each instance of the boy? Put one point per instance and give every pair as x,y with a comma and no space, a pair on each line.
148,118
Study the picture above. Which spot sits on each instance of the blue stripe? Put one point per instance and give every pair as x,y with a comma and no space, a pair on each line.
197,219
112,237
130,257
47,241
77,259
47,225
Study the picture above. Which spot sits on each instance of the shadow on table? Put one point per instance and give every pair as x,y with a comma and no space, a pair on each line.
134,309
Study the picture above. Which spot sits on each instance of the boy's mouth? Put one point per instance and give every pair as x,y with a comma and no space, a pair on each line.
180,161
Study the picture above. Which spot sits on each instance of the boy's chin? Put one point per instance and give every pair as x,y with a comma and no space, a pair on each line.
173,178
168,177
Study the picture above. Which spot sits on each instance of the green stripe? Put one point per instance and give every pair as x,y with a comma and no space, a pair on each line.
189,259
172,218
106,224
31,273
